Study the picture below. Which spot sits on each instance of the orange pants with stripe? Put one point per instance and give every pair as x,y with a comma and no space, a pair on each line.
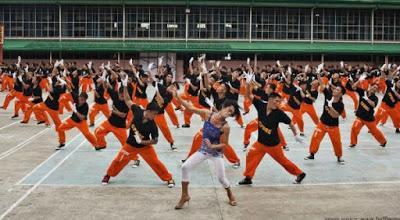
163,126
171,114
87,84
54,116
104,128
22,103
229,153
393,113
334,135
296,117
7,83
96,108
38,113
65,100
256,154
371,125
10,96
252,127
82,126
310,110
127,153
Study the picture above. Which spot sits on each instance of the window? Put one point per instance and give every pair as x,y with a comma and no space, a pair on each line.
387,25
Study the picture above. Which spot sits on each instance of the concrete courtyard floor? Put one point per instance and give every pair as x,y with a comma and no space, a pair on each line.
37,182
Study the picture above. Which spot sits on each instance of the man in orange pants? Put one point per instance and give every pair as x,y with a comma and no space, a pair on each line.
116,123
389,102
80,110
365,115
311,95
100,102
294,102
143,134
51,105
35,100
7,81
269,116
329,121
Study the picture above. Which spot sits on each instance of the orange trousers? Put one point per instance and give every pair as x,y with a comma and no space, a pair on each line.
371,125
82,126
296,117
353,97
65,100
96,108
176,102
256,154
38,113
229,153
44,84
10,96
140,101
334,135
127,153
187,115
252,127
104,128
87,84
163,126
7,83
310,110
54,116
393,113
171,113
246,105
21,103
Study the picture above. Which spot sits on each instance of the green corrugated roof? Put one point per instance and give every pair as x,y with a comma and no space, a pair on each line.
283,3
180,46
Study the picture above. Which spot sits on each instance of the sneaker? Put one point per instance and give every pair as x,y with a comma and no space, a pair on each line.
384,144
178,108
23,122
60,146
245,147
99,148
302,134
186,126
246,181
397,130
91,125
236,165
105,180
178,126
40,122
352,146
340,161
299,178
184,160
136,164
173,147
171,183
286,148
310,157
245,113
14,116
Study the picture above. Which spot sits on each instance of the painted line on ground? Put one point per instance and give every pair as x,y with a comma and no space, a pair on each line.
9,125
23,197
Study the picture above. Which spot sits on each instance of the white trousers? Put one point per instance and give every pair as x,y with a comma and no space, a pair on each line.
196,159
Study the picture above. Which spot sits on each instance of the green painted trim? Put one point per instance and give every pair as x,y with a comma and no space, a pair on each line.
196,46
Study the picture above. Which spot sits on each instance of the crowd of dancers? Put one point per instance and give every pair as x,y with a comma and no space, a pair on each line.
49,90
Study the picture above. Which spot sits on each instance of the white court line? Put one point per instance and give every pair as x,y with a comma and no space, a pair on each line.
22,198
111,185
41,164
9,125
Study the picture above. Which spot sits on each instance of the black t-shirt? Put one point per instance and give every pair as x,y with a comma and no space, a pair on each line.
52,99
29,90
268,124
231,95
365,111
75,83
202,98
326,118
141,91
147,129
389,98
99,90
37,92
82,109
18,86
115,120
164,100
219,102
195,82
295,98
313,94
